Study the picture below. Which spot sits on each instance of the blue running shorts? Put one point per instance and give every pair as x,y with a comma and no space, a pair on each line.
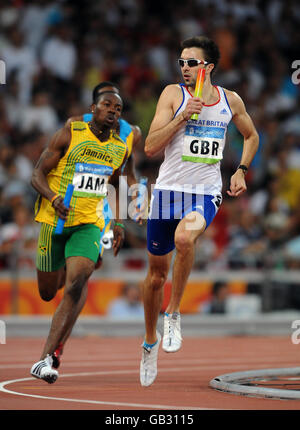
168,208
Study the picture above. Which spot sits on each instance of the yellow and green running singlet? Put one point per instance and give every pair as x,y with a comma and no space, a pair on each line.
88,165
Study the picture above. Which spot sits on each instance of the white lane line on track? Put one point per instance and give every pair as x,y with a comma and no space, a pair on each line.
118,372
97,402
134,361
134,364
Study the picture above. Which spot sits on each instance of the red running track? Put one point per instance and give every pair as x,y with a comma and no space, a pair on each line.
103,373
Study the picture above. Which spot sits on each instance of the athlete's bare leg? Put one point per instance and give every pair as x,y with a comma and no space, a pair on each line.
81,303
187,231
153,292
78,271
50,282
76,313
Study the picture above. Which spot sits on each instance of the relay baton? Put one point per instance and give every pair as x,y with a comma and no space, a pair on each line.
61,222
198,88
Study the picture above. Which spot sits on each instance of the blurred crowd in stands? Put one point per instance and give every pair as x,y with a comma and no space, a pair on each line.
55,52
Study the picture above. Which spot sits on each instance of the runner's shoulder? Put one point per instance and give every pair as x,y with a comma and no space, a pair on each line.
171,94
234,100
137,134
64,134
72,119
172,90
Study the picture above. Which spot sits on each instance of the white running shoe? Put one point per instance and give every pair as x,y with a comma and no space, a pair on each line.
172,333
148,366
43,370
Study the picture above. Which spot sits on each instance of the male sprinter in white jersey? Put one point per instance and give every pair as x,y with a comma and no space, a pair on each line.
187,192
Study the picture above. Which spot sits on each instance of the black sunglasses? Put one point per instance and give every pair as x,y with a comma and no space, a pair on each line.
192,62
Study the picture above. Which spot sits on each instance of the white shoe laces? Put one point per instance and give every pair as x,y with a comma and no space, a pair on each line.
172,326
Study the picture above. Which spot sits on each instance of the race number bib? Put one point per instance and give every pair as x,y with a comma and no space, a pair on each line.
90,180
203,144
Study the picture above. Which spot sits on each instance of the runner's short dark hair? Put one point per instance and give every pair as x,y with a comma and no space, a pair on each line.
98,88
209,47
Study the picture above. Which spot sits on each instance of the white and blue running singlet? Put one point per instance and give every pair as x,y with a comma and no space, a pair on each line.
189,178
124,131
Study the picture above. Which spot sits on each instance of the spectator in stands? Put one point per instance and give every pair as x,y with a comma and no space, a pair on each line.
62,50
21,58
59,54
39,115
128,305
217,303
19,237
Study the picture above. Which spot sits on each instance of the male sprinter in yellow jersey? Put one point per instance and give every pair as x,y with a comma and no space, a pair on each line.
131,135
88,155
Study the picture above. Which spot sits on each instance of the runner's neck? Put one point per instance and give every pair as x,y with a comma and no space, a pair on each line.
210,94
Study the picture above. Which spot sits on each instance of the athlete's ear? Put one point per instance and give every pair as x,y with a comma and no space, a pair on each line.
210,67
93,107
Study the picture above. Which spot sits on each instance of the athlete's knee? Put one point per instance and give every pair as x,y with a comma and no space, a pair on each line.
46,294
76,286
47,290
157,278
49,283
183,242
